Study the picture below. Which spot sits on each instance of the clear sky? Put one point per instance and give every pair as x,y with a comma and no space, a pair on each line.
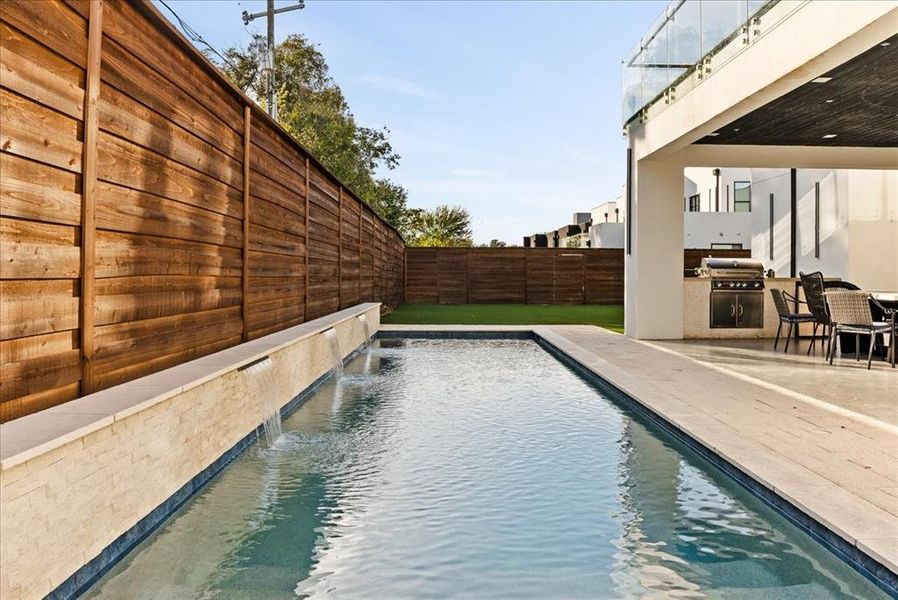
510,109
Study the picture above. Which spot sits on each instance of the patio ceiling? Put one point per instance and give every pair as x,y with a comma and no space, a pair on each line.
855,104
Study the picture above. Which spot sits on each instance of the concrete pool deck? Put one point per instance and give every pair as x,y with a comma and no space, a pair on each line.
836,465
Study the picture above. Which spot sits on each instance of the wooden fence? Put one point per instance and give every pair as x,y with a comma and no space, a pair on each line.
514,276
524,275
150,212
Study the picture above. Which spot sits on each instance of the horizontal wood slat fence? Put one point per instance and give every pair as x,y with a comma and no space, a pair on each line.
514,276
150,213
525,275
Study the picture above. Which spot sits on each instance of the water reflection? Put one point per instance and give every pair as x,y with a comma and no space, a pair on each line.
473,469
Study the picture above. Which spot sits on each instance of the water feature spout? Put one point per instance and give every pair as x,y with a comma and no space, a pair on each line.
271,413
366,327
337,356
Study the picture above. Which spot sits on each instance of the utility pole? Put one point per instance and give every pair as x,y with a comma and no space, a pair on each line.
269,67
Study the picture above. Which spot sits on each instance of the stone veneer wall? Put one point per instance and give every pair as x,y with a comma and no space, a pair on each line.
60,509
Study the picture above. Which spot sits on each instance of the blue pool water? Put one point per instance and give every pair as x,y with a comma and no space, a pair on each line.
476,469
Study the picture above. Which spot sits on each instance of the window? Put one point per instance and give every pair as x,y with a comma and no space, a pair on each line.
726,246
695,203
742,196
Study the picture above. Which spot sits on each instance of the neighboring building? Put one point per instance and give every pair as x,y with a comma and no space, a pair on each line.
842,218
574,236
607,229
537,240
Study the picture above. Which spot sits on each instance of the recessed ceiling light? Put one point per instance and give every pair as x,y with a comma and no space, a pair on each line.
736,129
716,133
830,101
884,44
821,80
830,136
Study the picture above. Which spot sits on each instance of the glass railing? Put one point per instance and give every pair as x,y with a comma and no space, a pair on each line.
680,39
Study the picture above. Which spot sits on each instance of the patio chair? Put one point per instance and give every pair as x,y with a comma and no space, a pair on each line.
850,313
814,288
781,301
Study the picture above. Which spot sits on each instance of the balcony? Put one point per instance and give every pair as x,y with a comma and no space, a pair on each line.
686,41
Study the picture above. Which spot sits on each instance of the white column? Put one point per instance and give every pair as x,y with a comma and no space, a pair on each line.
653,271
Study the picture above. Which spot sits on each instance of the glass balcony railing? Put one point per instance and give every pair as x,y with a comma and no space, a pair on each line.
683,37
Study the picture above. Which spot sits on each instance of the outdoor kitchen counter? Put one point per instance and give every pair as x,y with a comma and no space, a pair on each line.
697,310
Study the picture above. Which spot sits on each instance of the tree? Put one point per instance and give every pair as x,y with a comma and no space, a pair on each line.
312,108
497,244
443,226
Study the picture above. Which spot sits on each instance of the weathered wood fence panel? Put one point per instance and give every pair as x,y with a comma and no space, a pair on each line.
514,276
525,275
149,212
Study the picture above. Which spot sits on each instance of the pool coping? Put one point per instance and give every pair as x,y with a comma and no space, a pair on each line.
28,437
865,561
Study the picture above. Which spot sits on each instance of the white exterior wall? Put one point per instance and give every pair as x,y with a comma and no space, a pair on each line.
858,223
701,180
702,229
606,235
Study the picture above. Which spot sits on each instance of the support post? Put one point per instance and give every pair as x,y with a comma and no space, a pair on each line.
653,282
340,249
247,120
305,307
793,222
526,278
272,93
89,196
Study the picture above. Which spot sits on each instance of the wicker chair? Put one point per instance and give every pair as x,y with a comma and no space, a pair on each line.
850,313
814,288
781,301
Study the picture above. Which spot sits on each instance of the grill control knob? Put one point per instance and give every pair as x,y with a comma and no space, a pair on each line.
757,284
732,284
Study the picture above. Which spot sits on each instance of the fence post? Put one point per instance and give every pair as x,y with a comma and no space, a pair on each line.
89,196
305,300
467,276
526,277
340,248
247,119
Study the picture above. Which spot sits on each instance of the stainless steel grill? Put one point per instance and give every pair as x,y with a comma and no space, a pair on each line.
737,291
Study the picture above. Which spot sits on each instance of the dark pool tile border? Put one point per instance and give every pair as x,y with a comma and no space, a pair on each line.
80,581
860,561
394,334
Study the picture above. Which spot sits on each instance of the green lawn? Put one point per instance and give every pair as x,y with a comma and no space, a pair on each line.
610,316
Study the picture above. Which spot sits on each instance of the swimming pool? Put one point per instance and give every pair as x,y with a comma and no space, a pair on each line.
474,468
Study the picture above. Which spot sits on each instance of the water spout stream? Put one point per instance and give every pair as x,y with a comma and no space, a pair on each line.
336,355
271,413
366,327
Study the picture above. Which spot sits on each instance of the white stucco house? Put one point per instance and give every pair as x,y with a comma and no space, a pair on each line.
797,100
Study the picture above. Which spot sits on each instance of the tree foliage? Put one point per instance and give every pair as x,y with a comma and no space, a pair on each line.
443,226
312,108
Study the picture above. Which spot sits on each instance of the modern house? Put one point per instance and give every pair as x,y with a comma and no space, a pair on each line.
788,90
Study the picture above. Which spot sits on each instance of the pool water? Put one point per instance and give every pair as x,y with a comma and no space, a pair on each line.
477,469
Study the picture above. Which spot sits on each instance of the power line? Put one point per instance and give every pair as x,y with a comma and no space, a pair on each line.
194,36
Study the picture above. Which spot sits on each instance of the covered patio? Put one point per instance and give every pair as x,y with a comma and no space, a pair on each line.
775,97
845,386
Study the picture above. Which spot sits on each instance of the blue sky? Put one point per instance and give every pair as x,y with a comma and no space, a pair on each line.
510,109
